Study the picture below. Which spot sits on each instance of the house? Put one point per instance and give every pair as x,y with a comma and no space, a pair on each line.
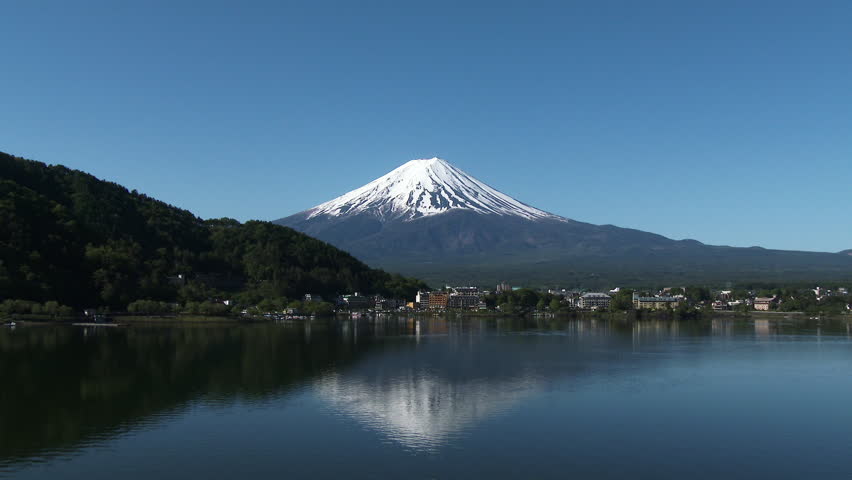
720,305
764,303
594,301
312,298
655,303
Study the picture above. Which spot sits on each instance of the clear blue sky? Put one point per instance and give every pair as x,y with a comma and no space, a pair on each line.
727,121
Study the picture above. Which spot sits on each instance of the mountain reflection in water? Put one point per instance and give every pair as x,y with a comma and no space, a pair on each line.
420,384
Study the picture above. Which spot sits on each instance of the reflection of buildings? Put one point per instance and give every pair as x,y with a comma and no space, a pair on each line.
761,327
722,327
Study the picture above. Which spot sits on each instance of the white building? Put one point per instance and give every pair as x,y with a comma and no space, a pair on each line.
595,301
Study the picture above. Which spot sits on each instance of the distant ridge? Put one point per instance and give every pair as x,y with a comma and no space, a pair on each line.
431,219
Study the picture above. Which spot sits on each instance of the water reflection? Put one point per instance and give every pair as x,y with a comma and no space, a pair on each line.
421,383
66,388
422,411
427,394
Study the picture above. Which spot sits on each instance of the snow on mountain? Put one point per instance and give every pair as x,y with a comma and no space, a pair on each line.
423,188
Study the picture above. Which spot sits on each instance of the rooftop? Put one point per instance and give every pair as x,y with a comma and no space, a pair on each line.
657,299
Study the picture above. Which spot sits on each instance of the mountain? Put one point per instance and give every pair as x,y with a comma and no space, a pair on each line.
846,252
67,236
423,188
431,219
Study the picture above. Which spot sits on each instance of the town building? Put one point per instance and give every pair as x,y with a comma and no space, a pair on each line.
764,303
438,300
386,304
655,303
466,290
595,301
504,287
720,305
463,301
354,302
422,299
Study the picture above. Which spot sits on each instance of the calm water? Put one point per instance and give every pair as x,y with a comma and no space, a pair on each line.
437,398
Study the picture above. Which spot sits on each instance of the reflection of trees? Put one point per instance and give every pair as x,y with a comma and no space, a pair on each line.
62,387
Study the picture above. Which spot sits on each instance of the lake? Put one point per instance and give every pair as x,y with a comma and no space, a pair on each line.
400,397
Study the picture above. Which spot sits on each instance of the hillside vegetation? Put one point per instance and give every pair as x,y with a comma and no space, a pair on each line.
71,238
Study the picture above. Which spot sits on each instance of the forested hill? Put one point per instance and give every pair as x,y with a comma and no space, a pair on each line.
67,236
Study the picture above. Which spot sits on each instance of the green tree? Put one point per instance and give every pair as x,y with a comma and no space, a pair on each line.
555,305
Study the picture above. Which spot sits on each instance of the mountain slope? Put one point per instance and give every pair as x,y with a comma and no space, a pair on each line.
70,237
431,219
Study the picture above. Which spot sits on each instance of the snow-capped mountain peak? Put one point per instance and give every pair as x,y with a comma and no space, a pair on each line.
422,188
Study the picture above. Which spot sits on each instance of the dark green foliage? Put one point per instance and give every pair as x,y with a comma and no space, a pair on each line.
70,237
521,300
698,294
50,308
623,300
152,307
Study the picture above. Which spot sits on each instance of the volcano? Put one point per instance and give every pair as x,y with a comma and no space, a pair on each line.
430,218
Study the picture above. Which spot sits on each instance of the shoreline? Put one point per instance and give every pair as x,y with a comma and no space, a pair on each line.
633,315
